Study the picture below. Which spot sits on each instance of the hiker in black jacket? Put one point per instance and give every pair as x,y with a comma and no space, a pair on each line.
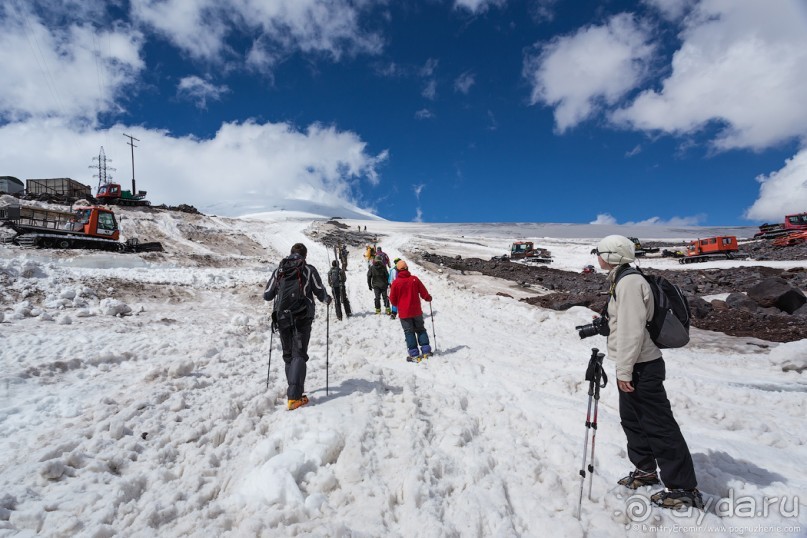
336,279
295,335
378,281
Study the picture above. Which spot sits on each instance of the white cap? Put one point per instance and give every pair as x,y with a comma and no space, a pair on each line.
616,249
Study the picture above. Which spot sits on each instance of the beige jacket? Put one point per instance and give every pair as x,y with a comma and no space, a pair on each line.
629,309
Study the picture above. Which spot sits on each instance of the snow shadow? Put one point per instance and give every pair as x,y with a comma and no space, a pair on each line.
449,351
718,470
351,386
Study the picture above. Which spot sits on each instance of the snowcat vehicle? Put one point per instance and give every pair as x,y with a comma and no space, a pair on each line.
84,227
639,250
111,194
526,250
793,223
712,248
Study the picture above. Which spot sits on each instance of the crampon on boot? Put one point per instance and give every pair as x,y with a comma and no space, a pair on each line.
425,351
678,498
636,479
413,356
294,404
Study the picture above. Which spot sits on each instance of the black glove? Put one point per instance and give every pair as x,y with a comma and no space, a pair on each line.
370,288
328,300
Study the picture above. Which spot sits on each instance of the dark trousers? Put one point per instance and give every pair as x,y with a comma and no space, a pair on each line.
414,332
654,437
379,293
294,342
339,297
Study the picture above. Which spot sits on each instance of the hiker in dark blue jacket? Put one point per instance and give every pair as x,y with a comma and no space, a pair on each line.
294,337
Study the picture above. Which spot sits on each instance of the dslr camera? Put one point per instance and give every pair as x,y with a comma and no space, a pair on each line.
598,326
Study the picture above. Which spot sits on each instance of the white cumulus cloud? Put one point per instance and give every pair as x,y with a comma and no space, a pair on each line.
244,168
201,28
609,220
782,192
596,64
742,66
200,90
74,71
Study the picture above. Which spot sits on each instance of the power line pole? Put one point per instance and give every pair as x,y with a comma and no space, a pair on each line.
131,143
103,176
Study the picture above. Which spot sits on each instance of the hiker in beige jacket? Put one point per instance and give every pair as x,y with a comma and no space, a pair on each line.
628,315
654,438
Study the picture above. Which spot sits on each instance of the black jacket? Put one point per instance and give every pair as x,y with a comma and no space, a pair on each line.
378,276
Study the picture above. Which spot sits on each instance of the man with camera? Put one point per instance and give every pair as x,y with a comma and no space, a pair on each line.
654,438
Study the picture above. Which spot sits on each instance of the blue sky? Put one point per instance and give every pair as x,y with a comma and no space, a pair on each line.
654,111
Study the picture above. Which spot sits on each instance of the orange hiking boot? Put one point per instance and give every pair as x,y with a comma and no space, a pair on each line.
294,404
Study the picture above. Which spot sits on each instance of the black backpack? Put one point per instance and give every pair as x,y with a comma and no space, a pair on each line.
335,277
290,301
669,327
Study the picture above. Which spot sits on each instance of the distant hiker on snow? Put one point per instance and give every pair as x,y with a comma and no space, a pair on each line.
407,290
393,273
336,279
293,285
654,438
378,281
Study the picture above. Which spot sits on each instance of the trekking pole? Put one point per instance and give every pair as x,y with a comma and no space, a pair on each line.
594,374
269,367
434,334
598,375
327,344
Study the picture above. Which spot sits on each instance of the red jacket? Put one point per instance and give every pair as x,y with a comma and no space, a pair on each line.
406,293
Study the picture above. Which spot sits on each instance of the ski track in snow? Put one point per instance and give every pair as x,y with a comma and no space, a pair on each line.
159,422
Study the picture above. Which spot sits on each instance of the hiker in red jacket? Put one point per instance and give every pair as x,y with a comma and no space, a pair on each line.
407,290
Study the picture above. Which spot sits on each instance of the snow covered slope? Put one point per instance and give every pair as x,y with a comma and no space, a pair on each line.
134,400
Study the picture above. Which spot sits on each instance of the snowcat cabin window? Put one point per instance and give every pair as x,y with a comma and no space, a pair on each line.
519,248
106,221
727,240
794,219
82,216
102,190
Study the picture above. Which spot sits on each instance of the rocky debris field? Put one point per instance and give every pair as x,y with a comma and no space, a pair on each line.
738,315
750,309
760,249
334,233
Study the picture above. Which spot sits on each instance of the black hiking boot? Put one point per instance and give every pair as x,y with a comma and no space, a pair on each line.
678,498
637,479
